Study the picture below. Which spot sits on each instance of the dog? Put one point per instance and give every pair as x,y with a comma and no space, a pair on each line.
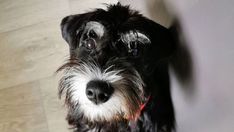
116,79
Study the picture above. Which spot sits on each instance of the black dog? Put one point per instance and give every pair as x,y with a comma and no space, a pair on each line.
116,79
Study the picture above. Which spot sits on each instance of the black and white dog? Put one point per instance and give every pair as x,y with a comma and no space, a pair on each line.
116,79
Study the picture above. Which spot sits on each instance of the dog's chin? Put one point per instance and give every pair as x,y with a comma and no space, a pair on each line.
82,123
106,121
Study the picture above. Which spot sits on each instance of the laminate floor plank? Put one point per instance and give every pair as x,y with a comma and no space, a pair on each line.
54,108
21,13
21,109
31,53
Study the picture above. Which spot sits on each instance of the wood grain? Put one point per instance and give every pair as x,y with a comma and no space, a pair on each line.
31,53
21,109
54,108
21,13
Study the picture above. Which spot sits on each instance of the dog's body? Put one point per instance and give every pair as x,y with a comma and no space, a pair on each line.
117,77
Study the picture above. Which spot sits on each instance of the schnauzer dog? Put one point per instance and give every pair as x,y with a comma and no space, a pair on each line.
116,79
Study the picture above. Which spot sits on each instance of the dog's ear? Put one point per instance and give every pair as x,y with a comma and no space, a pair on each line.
166,44
69,27
64,28
163,45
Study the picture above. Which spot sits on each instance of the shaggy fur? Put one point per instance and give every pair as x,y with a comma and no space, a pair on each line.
130,53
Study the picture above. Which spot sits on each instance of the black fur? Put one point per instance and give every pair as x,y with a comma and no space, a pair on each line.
151,64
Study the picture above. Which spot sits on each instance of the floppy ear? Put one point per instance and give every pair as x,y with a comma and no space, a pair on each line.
163,45
73,23
69,27
64,28
166,44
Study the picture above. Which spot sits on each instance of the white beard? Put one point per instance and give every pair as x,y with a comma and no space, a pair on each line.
80,77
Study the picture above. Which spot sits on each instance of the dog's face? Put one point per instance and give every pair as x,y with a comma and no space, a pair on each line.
113,54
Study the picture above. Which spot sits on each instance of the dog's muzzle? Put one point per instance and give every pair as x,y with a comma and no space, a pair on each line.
96,94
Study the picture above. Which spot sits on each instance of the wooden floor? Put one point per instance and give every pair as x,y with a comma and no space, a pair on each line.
31,49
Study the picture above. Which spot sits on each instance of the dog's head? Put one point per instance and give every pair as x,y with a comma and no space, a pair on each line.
113,53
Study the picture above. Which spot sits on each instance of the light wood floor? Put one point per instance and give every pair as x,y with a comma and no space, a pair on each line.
31,49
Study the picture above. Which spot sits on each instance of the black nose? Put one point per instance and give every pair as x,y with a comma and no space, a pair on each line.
99,91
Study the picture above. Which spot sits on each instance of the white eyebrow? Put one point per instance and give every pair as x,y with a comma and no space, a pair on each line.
134,36
96,26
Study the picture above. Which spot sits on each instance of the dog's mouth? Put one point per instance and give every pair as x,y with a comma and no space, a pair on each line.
101,95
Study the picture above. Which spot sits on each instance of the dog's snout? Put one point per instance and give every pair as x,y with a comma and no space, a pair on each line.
99,91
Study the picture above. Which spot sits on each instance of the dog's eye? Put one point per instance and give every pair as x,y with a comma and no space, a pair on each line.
92,34
135,52
90,44
133,45
133,48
